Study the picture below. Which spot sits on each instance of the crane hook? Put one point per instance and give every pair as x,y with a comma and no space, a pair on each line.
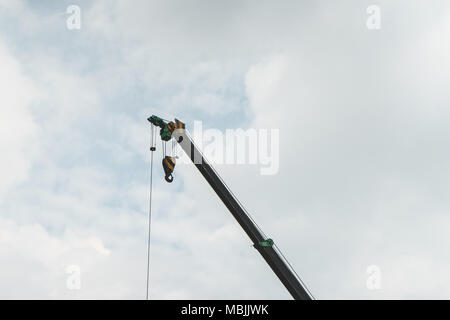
168,166
169,178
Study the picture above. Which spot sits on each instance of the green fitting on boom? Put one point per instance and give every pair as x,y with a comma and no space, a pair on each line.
165,133
266,243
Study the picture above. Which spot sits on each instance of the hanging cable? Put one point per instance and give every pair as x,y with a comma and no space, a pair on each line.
152,139
172,153
164,148
152,149
175,150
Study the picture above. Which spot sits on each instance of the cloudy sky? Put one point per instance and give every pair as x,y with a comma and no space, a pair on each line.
364,177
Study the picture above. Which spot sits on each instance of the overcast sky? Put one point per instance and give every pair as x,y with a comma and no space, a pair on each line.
363,115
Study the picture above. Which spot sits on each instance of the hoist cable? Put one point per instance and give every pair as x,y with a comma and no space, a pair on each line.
173,148
152,140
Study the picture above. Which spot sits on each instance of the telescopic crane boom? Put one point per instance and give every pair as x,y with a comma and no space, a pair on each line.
264,246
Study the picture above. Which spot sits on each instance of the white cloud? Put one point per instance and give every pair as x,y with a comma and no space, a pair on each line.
34,262
262,81
18,130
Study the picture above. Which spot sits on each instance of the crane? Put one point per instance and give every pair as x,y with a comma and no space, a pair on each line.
265,246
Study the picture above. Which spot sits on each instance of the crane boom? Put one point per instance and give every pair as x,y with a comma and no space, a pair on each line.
264,246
